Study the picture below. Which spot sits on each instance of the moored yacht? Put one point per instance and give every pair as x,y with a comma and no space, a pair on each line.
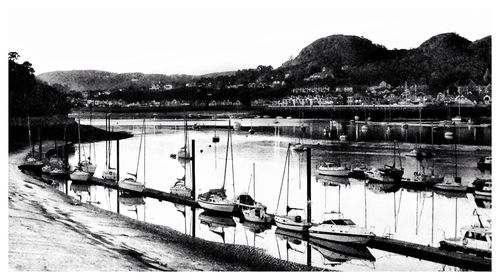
333,169
340,230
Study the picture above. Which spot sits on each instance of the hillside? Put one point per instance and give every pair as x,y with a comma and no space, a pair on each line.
80,80
441,60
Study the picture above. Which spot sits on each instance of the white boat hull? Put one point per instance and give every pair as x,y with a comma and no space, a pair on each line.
330,172
131,186
183,154
181,191
79,176
226,207
109,174
88,167
287,223
256,215
483,193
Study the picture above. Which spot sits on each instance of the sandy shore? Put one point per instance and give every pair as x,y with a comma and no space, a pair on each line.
49,231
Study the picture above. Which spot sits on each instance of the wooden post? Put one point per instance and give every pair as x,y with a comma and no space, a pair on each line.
193,176
308,254
118,176
308,184
193,168
39,144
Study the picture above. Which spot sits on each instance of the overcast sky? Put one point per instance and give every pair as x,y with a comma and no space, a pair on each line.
197,37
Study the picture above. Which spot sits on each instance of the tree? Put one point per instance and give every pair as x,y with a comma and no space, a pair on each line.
13,56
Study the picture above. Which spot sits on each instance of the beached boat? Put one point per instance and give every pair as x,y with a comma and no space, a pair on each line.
340,230
333,169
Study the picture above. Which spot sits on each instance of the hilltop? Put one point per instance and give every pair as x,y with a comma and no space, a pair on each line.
440,61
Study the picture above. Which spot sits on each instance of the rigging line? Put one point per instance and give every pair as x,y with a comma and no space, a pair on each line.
288,178
227,150
232,166
282,179
139,156
144,132
249,184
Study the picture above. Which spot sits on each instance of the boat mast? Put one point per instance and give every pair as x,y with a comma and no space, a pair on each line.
79,151
29,138
254,181
282,180
288,180
144,131
139,155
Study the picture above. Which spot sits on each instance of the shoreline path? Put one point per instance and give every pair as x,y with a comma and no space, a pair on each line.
49,231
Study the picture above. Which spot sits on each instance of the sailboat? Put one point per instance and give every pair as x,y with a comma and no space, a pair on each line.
109,173
456,184
215,138
78,174
289,222
86,165
299,145
132,184
387,174
216,199
333,169
184,151
30,162
252,210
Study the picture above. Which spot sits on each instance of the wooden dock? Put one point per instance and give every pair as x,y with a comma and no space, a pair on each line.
430,253
147,192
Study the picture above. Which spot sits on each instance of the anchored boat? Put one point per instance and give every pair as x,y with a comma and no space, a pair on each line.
340,230
290,222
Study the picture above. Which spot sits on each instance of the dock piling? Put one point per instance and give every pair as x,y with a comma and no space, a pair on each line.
308,155
117,175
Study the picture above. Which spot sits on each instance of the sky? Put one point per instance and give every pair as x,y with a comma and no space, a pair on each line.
198,37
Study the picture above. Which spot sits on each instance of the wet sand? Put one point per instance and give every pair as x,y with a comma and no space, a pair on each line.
49,231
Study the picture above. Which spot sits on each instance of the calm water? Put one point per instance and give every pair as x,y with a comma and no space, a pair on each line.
422,217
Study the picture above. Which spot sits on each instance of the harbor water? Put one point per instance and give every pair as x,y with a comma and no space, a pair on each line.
424,217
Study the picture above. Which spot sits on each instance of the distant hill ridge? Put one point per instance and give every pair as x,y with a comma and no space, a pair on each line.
441,60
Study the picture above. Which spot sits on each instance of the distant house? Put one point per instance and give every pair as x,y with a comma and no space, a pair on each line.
487,99
168,87
325,73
